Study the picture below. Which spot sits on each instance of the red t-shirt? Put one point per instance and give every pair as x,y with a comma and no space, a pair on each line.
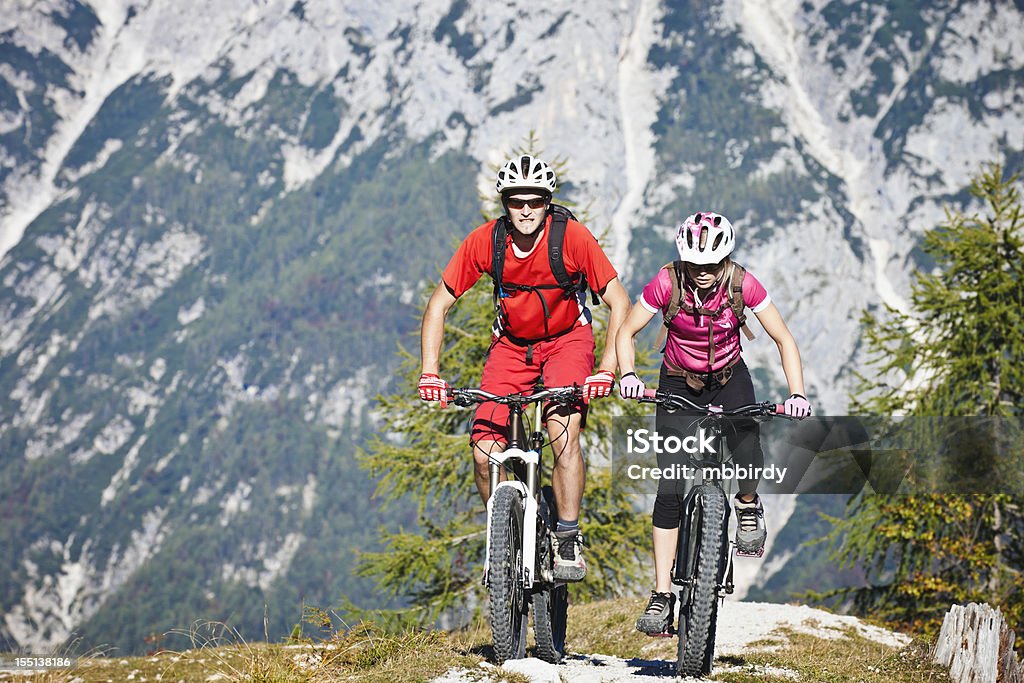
524,312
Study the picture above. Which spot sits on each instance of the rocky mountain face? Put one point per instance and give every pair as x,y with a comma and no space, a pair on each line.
217,221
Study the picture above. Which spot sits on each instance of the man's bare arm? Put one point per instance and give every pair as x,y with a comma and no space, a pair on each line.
613,294
432,330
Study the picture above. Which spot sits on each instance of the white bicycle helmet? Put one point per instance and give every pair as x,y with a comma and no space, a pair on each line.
721,238
526,173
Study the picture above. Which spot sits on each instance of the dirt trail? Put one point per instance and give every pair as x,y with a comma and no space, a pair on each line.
739,625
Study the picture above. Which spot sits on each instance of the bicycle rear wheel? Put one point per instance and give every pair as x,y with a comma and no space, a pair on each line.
698,618
550,605
507,599
550,601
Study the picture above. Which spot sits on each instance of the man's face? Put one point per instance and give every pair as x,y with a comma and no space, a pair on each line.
527,210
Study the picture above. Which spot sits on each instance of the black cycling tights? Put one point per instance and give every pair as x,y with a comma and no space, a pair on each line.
742,435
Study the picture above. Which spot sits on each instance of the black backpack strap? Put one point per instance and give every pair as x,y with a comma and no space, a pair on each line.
498,237
556,244
560,217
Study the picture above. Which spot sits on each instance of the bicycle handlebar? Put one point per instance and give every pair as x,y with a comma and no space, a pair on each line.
672,400
465,396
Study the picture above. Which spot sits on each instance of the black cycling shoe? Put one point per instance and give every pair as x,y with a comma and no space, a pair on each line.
657,617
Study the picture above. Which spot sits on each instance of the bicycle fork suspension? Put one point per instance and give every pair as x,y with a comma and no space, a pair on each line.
516,442
684,572
526,572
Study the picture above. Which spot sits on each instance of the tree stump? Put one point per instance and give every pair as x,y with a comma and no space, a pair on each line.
976,645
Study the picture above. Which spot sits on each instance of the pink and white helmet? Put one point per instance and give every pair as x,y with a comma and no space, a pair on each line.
720,242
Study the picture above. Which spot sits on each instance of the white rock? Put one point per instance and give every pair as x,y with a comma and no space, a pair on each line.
536,670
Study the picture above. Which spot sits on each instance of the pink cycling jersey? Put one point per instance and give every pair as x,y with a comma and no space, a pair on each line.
687,343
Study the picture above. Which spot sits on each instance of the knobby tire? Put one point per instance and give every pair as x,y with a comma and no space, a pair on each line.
550,602
507,601
698,619
550,605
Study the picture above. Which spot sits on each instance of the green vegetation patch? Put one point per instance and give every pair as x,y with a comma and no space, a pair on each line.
323,119
122,116
361,653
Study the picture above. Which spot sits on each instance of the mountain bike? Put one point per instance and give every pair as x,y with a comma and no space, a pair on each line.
521,514
703,567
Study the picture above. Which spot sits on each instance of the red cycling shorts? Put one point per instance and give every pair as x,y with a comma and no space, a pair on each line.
562,361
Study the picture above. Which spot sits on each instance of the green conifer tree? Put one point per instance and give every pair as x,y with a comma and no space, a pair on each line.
958,352
435,560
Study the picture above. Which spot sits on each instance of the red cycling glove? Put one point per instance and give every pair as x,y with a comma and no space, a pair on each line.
598,385
433,388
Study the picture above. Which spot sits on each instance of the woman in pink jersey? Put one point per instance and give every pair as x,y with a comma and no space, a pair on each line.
702,359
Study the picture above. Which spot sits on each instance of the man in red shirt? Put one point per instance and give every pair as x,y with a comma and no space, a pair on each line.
541,331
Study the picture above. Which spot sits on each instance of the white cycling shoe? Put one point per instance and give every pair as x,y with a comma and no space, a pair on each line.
568,550
750,530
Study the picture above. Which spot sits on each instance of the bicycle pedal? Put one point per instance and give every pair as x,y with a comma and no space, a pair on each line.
670,633
744,553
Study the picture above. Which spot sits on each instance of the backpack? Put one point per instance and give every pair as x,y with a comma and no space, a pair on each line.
569,284
734,300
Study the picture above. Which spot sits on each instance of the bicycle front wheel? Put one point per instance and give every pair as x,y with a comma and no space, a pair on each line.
698,618
507,603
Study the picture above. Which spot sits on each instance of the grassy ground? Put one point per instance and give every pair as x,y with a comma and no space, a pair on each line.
603,627
786,656
360,655
852,659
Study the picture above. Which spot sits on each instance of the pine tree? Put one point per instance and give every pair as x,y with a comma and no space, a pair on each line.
435,562
958,352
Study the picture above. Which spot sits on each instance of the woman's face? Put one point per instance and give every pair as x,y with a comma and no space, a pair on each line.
704,276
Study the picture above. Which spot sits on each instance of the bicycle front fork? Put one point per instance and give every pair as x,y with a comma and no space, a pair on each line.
532,475
684,567
527,492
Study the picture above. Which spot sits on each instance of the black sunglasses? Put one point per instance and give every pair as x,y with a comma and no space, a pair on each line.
705,267
535,203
